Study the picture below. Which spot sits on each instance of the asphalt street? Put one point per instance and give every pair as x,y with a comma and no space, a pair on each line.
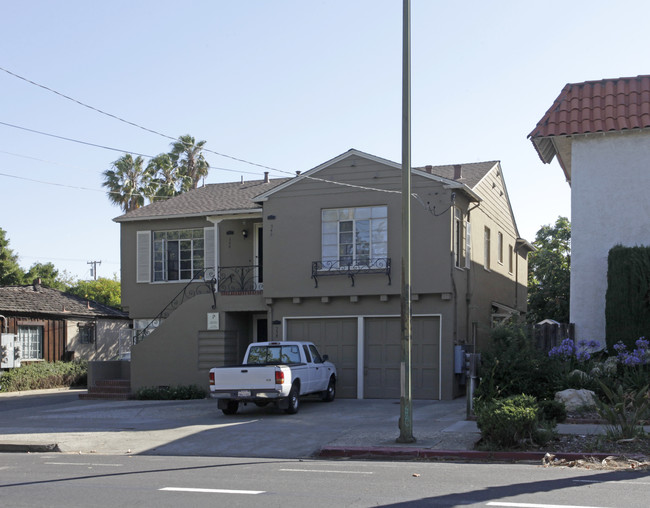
60,480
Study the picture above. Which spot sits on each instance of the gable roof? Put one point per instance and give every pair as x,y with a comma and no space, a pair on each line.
470,173
39,300
477,170
608,105
211,199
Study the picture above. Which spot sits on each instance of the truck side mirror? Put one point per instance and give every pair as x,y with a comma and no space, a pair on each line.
325,358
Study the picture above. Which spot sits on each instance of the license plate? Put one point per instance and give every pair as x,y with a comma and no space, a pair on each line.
244,393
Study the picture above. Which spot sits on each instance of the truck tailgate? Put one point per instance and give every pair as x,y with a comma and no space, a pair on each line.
250,377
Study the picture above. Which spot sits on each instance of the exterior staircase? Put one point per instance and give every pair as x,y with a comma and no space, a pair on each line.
108,389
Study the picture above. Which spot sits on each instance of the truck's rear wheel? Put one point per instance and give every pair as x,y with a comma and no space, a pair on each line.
232,408
329,394
294,400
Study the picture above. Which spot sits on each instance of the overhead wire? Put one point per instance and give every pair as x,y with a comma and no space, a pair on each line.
175,139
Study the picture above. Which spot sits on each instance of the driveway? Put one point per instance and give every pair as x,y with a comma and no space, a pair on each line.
197,427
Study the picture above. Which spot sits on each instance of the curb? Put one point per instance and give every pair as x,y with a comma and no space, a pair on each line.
460,455
29,448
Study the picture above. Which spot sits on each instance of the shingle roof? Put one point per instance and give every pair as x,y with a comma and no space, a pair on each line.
471,173
26,300
206,200
607,105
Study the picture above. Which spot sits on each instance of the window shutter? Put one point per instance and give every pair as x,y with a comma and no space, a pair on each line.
143,254
208,246
468,245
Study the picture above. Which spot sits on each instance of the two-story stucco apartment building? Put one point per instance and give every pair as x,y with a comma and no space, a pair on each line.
599,131
316,257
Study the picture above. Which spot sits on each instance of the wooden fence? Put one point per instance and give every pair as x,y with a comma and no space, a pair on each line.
548,335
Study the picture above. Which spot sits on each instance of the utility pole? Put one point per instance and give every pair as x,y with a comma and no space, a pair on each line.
93,270
406,413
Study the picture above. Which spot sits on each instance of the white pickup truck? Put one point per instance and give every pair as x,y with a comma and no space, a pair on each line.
274,372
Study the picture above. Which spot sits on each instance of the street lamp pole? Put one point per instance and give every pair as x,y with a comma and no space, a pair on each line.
406,413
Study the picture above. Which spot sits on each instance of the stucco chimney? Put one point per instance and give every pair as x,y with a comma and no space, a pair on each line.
458,173
428,168
37,284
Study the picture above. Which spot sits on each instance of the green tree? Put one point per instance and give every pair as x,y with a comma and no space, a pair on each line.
187,157
49,276
11,273
102,290
128,183
165,181
549,273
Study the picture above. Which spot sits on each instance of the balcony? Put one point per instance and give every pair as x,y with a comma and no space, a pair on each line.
352,269
239,279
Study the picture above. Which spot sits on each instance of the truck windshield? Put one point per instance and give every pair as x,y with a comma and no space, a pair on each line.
273,355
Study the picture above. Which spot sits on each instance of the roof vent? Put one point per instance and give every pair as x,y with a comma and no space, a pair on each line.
458,173
266,177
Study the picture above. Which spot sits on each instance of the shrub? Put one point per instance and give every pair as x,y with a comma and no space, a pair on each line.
624,411
513,366
42,375
171,393
506,423
552,411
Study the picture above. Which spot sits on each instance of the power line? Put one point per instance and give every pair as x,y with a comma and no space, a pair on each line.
175,139
73,140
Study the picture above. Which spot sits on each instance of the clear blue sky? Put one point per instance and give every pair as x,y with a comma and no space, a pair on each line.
286,84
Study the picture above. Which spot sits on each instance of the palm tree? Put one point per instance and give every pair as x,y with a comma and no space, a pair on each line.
128,183
165,180
187,156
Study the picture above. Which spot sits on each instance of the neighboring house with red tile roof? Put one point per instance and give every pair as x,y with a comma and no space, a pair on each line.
316,257
600,133
52,325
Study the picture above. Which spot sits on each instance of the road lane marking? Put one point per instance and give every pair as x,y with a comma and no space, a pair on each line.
325,471
213,491
80,464
532,505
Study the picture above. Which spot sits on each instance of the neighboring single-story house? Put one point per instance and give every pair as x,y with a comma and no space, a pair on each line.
317,257
48,324
600,133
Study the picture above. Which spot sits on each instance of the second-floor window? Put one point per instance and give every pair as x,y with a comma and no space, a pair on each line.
177,255
354,236
486,248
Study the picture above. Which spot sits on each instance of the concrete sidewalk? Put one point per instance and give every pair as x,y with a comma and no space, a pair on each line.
59,421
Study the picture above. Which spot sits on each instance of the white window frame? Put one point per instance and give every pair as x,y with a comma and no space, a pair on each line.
511,259
160,268
468,244
334,225
486,248
458,238
500,247
31,342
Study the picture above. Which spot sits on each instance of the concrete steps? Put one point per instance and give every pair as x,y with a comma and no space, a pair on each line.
109,389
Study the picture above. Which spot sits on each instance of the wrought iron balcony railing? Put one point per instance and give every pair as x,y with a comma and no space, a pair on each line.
234,279
352,269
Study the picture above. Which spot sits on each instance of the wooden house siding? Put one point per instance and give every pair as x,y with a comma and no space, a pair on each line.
54,335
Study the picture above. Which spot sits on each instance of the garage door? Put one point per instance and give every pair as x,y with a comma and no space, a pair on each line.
383,355
336,338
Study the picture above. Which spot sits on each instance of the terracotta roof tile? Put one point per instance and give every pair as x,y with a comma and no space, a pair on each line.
608,105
